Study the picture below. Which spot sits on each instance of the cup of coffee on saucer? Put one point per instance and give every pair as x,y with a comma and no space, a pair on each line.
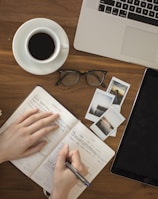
40,46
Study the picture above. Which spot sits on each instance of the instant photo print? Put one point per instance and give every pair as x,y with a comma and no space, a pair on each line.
107,123
119,89
137,156
100,103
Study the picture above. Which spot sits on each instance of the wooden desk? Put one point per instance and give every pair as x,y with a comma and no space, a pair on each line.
15,84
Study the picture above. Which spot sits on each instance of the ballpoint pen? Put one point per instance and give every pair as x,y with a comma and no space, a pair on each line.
77,174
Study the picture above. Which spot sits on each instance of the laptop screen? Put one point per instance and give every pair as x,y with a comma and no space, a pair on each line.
137,156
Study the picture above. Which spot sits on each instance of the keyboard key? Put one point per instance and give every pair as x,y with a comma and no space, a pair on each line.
101,8
136,2
118,4
138,10
108,2
151,14
156,8
132,8
143,4
125,6
150,6
142,19
156,1
123,13
130,1
108,9
145,12
115,11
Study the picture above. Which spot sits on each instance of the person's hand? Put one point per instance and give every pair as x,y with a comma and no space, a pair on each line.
64,179
23,137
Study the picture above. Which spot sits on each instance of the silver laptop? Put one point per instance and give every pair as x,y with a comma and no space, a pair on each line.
126,30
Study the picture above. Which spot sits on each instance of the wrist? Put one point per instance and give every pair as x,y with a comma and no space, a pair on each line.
57,194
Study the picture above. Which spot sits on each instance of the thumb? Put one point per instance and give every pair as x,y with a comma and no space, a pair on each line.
63,154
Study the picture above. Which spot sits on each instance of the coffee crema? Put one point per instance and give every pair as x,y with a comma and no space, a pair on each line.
41,46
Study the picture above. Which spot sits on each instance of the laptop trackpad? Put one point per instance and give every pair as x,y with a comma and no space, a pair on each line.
140,44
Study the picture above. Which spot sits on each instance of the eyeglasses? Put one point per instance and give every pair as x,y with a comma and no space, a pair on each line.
72,77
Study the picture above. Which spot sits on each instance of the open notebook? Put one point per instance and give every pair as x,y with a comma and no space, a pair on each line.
39,167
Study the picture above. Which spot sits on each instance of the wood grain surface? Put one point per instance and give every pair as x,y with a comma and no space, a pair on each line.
15,85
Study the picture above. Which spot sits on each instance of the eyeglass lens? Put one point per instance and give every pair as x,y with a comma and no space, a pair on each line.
70,77
95,78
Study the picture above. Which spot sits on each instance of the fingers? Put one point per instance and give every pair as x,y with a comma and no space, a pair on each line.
77,163
34,149
32,116
37,124
37,116
42,132
63,154
27,115
41,120
74,157
33,121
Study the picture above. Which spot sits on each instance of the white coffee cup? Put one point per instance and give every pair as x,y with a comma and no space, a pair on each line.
42,45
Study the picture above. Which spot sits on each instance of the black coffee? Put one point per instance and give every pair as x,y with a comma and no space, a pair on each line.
41,46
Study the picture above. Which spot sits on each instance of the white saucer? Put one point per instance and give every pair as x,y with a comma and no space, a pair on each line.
19,42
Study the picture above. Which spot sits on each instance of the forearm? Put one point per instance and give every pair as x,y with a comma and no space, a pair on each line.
1,159
2,154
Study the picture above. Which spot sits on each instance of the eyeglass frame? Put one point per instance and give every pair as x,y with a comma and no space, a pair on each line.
81,73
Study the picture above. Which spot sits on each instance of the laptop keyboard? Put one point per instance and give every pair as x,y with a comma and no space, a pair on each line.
140,10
